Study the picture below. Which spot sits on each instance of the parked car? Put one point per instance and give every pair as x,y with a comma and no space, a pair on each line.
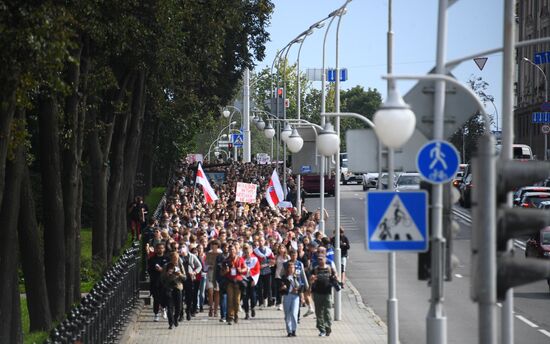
518,195
408,181
533,199
369,181
346,176
538,246
312,185
384,181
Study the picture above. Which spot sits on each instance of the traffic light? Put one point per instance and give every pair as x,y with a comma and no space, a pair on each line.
425,258
495,269
511,223
450,229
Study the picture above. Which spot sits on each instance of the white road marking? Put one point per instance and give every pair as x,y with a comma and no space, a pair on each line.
499,304
527,321
458,276
544,332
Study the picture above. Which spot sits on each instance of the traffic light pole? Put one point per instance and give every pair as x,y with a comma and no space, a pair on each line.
508,67
484,261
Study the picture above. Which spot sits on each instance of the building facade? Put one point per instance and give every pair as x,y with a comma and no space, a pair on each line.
533,18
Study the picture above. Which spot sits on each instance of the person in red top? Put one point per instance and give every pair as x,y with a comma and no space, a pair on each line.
234,269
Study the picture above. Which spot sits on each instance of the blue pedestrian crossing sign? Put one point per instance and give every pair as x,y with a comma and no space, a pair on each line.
396,221
437,162
237,140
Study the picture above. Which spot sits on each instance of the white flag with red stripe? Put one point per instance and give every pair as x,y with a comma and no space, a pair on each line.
209,193
274,194
253,264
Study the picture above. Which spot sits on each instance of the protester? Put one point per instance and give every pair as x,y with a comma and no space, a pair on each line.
156,264
249,281
344,247
267,259
321,288
233,269
172,279
290,288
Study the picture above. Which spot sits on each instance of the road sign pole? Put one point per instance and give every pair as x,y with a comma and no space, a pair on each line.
545,147
436,319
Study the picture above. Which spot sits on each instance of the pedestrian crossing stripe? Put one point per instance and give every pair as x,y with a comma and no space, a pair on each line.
396,221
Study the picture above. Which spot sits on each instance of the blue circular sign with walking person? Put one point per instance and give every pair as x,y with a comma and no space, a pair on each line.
438,161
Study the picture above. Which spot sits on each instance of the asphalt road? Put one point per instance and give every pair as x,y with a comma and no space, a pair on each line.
368,272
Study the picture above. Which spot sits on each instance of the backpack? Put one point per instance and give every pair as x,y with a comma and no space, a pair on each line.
323,283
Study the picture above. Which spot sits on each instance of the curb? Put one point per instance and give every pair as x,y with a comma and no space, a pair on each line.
361,304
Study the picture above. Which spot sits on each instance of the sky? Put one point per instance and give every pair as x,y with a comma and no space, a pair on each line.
472,26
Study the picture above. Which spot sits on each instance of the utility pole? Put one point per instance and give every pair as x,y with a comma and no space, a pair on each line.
436,320
246,116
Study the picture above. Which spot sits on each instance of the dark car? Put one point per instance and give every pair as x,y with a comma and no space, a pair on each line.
538,246
533,199
465,188
311,184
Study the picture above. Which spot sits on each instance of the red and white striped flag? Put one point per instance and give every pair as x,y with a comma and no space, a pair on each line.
209,193
253,264
274,194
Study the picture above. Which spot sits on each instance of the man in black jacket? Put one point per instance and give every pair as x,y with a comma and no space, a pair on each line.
156,265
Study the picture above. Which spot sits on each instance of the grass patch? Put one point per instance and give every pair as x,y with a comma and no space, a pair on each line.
152,200
34,337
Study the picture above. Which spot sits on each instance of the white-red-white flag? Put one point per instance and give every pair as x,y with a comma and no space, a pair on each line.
209,193
274,194
253,264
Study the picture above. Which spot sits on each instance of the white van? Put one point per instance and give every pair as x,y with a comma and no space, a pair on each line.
522,152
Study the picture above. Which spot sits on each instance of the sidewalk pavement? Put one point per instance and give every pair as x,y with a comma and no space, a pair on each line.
359,324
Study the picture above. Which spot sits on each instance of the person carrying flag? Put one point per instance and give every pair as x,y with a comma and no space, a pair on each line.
250,281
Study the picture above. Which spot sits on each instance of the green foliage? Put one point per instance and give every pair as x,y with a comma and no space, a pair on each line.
153,198
465,138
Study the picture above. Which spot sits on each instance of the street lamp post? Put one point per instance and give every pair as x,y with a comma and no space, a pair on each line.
218,137
525,59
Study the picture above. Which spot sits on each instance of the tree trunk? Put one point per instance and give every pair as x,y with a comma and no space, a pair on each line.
9,213
32,260
148,139
99,165
115,184
7,110
131,150
70,174
76,283
52,196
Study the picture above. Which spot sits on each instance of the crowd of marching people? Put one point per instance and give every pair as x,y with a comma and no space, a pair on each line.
207,251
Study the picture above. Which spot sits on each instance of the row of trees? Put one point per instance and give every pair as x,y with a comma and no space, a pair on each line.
93,94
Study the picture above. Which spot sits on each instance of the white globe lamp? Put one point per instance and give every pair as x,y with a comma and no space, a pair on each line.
294,142
260,124
226,113
269,131
394,121
328,141
286,132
